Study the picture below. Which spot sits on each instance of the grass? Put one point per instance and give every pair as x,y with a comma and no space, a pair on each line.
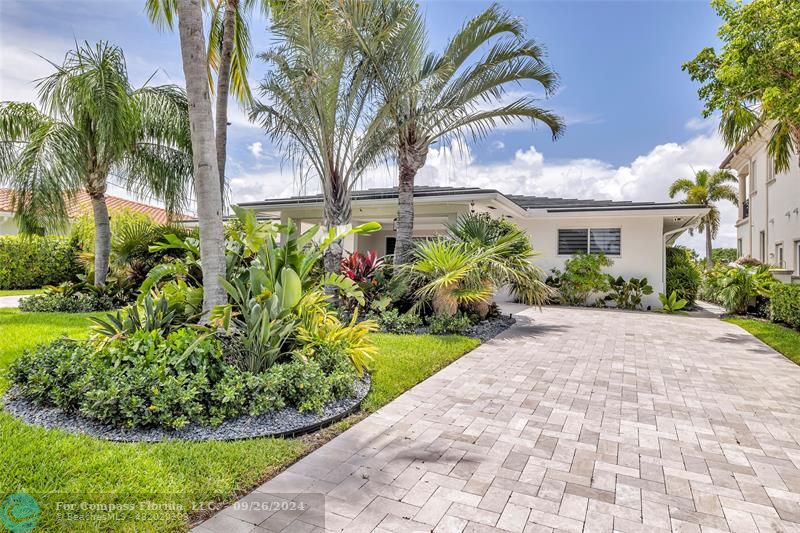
19,292
780,338
55,466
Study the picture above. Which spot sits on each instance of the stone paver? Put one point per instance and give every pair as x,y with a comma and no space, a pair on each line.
581,420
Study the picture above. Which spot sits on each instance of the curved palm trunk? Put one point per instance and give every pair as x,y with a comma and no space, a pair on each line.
102,236
709,247
206,174
410,161
223,88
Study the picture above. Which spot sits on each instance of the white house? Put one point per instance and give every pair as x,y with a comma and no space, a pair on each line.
633,234
768,226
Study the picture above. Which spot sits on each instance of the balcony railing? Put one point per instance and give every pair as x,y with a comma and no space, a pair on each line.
746,209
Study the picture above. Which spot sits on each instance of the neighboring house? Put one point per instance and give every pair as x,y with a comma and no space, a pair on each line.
633,234
80,205
768,226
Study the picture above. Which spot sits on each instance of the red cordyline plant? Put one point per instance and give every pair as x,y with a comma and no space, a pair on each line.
361,268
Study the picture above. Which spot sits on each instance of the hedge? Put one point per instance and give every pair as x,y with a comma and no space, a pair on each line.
683,276
785,304
32,261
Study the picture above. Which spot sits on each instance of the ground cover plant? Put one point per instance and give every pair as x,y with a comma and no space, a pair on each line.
781,338
77,467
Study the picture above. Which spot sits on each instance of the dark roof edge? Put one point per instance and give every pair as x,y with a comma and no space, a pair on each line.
649,207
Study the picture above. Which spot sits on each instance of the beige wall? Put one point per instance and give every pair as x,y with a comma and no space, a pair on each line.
7,225
769,204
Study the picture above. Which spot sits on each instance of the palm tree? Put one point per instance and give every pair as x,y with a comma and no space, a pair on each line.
90,124
706,190
229,52
319,104
206,175
432,97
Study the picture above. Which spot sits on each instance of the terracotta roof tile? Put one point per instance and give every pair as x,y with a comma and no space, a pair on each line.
83,204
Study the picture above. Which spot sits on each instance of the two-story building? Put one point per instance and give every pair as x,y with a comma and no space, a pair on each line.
768,226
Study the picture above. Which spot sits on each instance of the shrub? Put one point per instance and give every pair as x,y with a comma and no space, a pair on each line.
582,277
683,276
30,262
449,325
59,303
392,321
785,304
627,294
740,287
724,255
147,380
748,261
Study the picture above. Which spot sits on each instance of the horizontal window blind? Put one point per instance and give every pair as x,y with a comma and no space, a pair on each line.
572,241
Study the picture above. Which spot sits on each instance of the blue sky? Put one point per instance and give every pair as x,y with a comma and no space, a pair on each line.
633,116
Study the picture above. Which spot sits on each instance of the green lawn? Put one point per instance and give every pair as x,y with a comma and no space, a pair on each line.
20,292
56,466
783,339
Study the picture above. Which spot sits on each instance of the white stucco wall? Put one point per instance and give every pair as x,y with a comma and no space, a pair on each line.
7,225
769,204
641,251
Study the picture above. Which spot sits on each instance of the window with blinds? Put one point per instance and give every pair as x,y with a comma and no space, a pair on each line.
592,240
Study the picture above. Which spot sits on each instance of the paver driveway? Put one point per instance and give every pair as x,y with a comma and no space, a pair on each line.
582,420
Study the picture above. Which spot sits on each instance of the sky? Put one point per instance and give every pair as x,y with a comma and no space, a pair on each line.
633,117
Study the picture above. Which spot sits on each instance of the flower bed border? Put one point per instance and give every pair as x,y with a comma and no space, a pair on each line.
244,427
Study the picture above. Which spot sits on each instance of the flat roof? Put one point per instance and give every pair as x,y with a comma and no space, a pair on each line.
525,202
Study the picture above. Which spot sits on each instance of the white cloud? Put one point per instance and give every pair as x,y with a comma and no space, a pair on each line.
257,149
498,145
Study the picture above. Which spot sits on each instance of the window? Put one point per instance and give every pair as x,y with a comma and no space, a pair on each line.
770,169
739,248
762,246
779,255
753,169
592,240
390,243
797,257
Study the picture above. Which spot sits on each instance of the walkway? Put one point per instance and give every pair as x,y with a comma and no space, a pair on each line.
10,301
583,420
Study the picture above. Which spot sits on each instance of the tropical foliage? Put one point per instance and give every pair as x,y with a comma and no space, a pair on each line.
738,288
707,189
683,276
90,123
671,304
477,257
582,278
753,80
627,294
785,304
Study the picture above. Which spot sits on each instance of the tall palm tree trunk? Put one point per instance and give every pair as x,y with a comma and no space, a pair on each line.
337,213
102,236
709,247
206,174
223,88
409,161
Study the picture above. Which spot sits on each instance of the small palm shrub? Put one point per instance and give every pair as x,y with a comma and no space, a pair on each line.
683,275
740,287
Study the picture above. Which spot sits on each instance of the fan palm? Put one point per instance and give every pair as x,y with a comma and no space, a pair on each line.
229,52
318,104
433,97
706,189
204,154
91,123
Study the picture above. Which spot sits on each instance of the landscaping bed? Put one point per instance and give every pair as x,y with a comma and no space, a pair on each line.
288,422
